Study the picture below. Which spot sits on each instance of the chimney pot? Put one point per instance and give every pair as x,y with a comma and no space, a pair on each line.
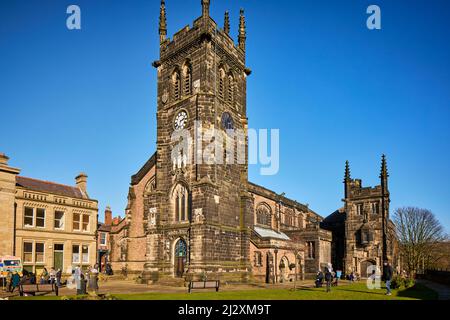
81,182
4,159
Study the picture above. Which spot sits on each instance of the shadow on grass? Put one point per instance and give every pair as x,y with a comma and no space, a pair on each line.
418,291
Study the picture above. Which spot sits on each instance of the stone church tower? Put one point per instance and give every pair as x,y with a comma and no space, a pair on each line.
363,234
199,215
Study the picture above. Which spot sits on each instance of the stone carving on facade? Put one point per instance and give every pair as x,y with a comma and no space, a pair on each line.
152,214
198,214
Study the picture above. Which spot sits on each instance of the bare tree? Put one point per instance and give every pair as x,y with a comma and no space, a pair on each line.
419,232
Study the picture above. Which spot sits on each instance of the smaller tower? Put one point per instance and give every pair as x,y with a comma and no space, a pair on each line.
242,32
162,22
205,8
384,175
384,203
226,24
347,178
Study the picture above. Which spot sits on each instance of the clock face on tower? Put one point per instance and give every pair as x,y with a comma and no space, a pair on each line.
180,120
227,121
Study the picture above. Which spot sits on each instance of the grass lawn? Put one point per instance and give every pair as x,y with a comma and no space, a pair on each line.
357,291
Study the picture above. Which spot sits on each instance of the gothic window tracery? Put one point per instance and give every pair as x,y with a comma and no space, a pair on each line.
176,83
181,203
187,75
230,87
221,84
264,215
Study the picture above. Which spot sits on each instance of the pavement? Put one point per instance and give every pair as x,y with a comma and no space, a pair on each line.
443,291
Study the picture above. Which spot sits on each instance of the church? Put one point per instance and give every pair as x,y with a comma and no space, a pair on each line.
198,221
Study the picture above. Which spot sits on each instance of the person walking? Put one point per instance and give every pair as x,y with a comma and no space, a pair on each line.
328,279
387,276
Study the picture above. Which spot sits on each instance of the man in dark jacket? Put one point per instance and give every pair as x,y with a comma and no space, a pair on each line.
328,279
387,277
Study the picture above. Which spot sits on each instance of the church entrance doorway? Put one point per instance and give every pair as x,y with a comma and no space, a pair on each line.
365,268
180,257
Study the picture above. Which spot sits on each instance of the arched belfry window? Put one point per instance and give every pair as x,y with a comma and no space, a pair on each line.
221,84
264,215
176,84
230,89
187,79
181,203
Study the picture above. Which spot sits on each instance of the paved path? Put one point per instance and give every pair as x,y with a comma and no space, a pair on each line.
443,291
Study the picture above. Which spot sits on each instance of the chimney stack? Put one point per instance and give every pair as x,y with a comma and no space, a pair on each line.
81,181
108,216
4,159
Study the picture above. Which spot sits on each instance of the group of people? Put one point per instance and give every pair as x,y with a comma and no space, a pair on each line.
329,275
86,280
13,279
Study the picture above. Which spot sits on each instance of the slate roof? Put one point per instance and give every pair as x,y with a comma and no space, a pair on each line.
49,187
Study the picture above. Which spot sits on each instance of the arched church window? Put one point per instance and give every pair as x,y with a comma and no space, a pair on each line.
264,215
176,82
181,205
221,84
230,85
150,187
187,74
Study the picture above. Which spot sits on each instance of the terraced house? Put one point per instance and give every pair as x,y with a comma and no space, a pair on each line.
46,224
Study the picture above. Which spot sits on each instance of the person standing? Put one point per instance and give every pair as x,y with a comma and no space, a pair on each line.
15,280
77,278
387,277
58,278
44,276
52,275
9,281
338,276
93,279
328,279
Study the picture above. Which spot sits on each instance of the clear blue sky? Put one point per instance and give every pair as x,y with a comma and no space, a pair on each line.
85,100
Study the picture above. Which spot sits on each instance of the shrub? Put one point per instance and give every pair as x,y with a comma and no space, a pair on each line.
397,283
410,282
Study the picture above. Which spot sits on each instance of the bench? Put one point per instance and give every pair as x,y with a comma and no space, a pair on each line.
33,288
194,285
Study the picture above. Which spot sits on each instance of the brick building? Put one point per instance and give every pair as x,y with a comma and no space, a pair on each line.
187,220
44,223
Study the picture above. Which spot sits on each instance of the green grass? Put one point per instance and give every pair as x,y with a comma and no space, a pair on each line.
357,291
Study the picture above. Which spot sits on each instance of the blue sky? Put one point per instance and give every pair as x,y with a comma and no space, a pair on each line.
85,100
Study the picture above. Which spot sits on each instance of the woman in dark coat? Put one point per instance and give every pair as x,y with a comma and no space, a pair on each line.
15,280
